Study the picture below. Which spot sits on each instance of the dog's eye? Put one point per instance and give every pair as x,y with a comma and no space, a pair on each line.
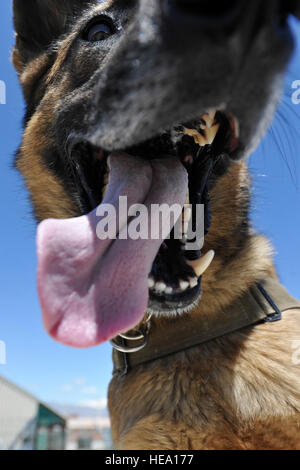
99,31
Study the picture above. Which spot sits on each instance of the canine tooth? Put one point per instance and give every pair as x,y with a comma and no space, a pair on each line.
236,127
160,286
184,285
209,118
151,283
187,214
203,263
212,132
198,138
193,282
168,290
212,115
185,227
202,140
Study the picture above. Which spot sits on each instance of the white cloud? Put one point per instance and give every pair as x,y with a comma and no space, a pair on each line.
99,403
80,381
91,390
66,388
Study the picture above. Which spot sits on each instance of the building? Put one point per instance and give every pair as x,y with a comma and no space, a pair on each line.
88,426
88,433
26,423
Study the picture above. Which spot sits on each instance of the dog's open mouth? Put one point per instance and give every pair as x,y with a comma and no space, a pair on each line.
204,147
92,289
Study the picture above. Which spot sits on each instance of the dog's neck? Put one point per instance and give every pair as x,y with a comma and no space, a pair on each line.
242,257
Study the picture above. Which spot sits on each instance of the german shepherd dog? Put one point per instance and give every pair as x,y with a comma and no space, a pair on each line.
147,99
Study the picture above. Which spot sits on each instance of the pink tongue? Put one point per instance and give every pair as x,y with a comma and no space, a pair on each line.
91,290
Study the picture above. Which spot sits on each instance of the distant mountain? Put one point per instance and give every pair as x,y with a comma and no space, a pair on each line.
66,410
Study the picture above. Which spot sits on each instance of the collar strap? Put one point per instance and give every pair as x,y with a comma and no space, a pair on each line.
263,302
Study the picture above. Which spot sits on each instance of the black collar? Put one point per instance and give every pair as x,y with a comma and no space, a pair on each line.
263,302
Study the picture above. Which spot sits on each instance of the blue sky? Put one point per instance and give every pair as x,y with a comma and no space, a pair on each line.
58,373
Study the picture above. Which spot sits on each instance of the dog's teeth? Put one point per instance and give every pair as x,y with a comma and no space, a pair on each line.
203,263
151,283
187,202
198,138
212,116
160,286
183,285
168,290
209,119
212,132
185,227
187,214
236,128
202,140
193,282
184,236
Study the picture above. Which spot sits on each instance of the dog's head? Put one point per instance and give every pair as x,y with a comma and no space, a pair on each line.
145,77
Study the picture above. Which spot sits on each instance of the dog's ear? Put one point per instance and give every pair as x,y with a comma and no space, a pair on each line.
40,22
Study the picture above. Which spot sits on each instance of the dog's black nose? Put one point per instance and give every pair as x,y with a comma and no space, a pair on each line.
204,12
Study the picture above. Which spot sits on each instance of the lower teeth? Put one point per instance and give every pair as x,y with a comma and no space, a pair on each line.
169,291
200,266
193,282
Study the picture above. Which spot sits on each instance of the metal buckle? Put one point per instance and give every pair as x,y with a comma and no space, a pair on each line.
142,334
277,316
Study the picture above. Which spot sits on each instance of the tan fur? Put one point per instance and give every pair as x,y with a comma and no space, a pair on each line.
234,267
238,392
47,193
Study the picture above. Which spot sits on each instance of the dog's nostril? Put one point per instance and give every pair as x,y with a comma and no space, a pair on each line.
204,11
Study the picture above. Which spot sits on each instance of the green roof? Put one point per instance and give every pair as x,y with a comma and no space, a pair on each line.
47,417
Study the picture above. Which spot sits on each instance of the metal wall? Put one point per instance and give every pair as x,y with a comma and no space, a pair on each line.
18,412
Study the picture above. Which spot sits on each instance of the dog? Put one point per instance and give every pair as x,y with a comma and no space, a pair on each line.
112,88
